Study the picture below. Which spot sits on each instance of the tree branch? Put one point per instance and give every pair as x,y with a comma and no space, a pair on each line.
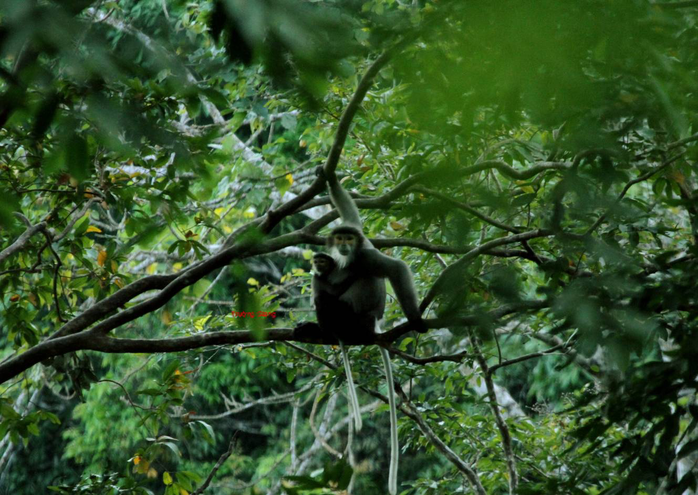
21,241
412,413
215,469
627,186
453,271
468,208
533,355
273,217
456,358
498,419
393,334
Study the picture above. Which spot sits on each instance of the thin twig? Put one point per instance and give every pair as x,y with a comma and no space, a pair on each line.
631,183
533,355
456,358
498,419
218,465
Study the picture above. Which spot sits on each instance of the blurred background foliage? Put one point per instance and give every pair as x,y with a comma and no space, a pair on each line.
143,134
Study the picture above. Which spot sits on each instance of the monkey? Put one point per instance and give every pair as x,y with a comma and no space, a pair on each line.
336,317
366,269
357,258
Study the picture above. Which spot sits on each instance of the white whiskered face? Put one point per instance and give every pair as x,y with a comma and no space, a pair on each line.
345,244
340,259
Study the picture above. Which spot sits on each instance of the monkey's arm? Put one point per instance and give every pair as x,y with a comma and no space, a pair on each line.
343,202
323,286
374,262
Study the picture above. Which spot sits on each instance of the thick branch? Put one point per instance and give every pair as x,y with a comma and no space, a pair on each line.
513,173
392,335
468,208
96,340
113,302
61,343
273,217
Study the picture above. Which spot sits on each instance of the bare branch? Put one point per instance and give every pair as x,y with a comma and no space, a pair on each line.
456,268
468,208
318,436
521,359
498,419
215,469
456,358
21,241
273,399
631,183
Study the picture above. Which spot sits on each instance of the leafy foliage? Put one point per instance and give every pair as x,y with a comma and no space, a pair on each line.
533,162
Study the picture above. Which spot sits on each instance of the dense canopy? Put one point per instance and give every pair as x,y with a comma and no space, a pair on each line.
534,163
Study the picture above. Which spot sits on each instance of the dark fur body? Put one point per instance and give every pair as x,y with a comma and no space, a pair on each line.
350,300
337,316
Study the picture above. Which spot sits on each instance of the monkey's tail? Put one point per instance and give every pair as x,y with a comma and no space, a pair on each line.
394,453
353,399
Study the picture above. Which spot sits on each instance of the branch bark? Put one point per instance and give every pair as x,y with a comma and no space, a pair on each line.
21,241
498,419
453,271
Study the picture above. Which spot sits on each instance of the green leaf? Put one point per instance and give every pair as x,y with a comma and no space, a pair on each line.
523,199
173,447
76,157
170,369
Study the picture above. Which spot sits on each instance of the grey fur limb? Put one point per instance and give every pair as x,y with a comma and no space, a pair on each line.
353,399
394,453
342,201
400,278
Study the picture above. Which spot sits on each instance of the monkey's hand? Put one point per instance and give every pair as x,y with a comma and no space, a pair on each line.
324,176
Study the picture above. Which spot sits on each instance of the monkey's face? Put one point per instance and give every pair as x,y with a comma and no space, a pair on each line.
345,243
322,265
